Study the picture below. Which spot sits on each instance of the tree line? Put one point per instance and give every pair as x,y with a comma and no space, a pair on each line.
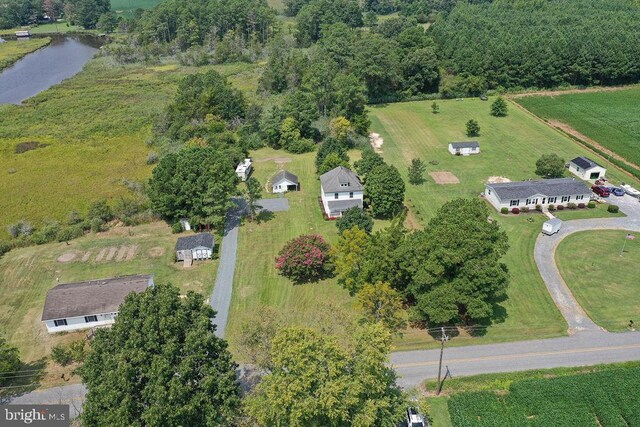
86,13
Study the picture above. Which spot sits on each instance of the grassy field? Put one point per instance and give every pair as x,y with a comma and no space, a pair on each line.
93,130
26,275
604,283
127,7
610,118
59,27
509,147
11,51
500,384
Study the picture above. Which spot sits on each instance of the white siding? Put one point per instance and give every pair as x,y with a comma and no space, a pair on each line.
281,187
196,253
464,151
77,323
342,195
538,199
586,173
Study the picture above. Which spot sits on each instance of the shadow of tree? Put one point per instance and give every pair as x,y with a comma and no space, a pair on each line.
24,381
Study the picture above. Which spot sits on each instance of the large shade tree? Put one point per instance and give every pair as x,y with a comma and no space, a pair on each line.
456,264
384,189
160,364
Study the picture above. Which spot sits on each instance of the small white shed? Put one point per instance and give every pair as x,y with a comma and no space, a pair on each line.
464,148
586,169
284,181
197,246
244,169
552,226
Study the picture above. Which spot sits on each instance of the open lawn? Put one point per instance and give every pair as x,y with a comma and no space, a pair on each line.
604,283
11,51
509,148
611,118
257,282
58,27
92,131
26,275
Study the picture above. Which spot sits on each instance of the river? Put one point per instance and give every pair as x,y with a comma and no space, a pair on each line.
62,58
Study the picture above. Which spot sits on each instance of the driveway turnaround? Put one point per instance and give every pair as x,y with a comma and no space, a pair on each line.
544,254
221,297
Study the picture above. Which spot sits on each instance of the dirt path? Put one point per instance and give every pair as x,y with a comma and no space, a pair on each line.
570,91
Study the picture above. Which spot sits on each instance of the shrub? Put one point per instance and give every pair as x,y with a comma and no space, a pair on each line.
539,208
591,205
61,355
525,209
5,247
69,233
304,259
21,228
552,208
581,205
515,211
560,207
100,209
353,217
613,208
504,211
571,206
176,227
77,350
152,158
97,225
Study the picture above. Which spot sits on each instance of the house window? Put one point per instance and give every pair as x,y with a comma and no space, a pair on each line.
335,195
528,202
514,203
351,195
60,322
566,198
89,319
489,192
580,197
552,199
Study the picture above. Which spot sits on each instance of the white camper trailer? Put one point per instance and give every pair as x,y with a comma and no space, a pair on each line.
552,226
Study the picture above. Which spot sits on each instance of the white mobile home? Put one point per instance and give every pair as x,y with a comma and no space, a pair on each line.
244,169
544,192
464,148
586,169
83,305
340,189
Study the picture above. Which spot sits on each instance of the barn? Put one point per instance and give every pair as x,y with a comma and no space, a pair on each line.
197,246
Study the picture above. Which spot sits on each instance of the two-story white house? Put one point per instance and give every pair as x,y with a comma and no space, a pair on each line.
83,305
341,189
544,192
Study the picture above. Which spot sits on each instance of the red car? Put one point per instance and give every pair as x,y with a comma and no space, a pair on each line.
600,190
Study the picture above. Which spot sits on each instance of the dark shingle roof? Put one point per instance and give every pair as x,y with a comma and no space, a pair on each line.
282,175
584,162
332,181
342,205
195,241
93,297
467,144
546,187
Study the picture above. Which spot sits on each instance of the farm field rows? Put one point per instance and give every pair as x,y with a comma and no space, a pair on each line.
604,282
26,274
611,118
11,51
89,144
578,400
509,148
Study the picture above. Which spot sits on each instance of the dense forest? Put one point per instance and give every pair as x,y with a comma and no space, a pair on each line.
524,44
86,13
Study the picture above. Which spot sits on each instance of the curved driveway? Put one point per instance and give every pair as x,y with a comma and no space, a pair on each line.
544,254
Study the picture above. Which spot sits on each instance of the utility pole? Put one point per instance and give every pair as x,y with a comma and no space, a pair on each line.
444,338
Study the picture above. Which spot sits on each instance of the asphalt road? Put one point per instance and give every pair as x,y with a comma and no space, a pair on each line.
73,395
581,349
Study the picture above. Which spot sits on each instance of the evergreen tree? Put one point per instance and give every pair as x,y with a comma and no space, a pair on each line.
416,172
499,107
473,128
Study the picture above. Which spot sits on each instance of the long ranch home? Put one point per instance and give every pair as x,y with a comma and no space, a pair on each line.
83,305
544,192
340,190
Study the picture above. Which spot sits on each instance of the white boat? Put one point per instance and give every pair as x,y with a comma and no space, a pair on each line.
630,191
25,33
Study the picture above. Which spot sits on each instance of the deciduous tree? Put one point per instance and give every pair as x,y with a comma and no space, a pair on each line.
355,217
304,259
381,303
550,166
9,361
384,189
252,194
348,258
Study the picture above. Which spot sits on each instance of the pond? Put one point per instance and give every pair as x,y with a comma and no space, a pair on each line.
38,71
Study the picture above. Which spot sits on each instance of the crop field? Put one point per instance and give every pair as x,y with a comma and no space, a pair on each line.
604,282
509,148
26,275
127,7
11,51
611,118
91,134
599,399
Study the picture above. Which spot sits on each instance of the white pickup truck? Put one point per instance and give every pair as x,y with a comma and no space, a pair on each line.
630,191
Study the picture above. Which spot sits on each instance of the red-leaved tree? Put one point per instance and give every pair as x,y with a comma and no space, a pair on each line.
304,259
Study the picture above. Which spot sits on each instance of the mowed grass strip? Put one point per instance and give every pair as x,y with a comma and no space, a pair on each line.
610,118
95,127
603,279
11,51
509,148
27,274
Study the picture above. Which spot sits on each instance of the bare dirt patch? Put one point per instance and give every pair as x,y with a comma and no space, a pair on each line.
278,160
67,257
86,256
376,142
122,252
497,179
101,254
23,147
111,254
444,177
132,252
156,252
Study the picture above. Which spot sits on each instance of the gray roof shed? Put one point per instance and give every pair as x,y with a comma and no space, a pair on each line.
467,144
584,162
282,176
199,240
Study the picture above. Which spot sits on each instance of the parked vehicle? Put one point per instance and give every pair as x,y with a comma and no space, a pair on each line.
552,226
616,191
484,98
414,419
600,190
631,191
